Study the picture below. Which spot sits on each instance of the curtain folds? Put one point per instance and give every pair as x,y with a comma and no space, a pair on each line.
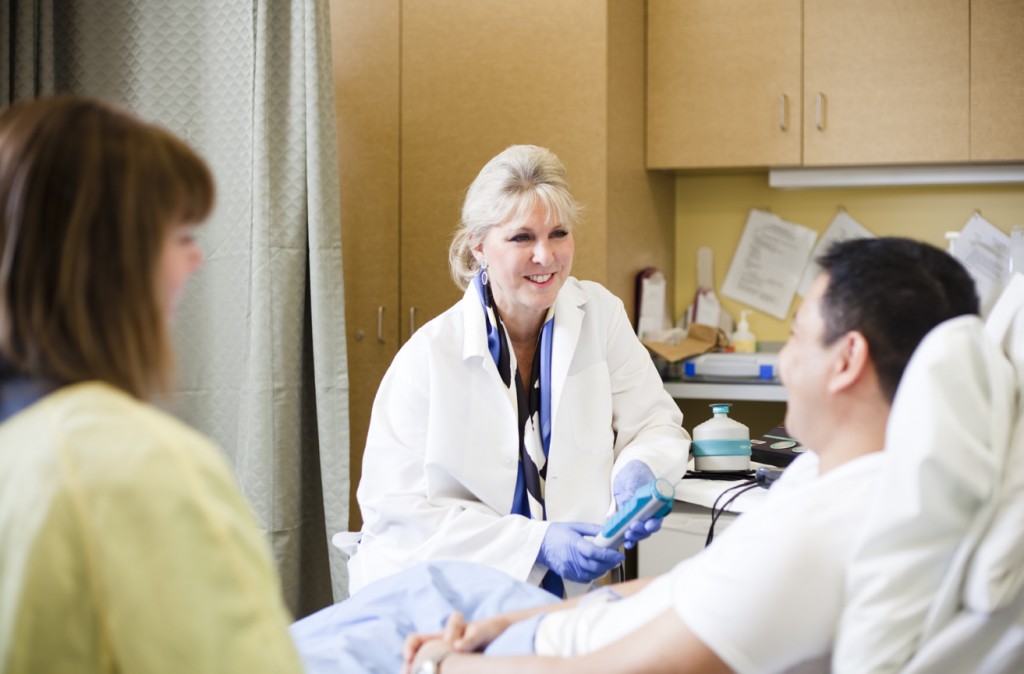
296,182
26,49
260,332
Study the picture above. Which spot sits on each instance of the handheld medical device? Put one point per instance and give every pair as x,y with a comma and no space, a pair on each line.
654,499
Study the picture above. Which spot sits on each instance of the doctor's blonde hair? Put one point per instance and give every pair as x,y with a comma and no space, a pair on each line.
506,191
88,194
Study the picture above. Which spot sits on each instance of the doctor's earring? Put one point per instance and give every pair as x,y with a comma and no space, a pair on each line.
483,271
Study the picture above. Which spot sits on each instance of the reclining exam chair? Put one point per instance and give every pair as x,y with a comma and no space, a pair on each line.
937,582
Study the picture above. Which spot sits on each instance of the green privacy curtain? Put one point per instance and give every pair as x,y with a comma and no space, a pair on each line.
260,333
26,49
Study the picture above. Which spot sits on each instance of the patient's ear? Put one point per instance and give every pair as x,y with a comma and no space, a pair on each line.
852,361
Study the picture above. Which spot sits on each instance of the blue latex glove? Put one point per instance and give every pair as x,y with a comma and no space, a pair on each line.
634,475
567,553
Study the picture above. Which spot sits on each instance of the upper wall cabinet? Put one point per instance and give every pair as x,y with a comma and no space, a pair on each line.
723,83
886,82
997,80
748,83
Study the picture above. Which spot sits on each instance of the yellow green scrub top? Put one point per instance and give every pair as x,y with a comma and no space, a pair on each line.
125,546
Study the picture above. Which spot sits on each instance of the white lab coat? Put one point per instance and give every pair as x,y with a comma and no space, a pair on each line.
441,458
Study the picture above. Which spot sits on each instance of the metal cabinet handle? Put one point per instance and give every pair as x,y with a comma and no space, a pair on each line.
380,324
412,320
819,111
782,112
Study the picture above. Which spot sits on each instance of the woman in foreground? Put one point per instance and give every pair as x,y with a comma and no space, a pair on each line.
126,546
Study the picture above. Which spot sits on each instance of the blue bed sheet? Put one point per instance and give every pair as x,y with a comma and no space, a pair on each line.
366,632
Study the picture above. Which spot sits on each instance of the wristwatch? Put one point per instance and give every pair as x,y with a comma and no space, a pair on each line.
432,665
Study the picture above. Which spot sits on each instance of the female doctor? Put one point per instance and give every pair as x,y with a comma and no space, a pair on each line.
509,427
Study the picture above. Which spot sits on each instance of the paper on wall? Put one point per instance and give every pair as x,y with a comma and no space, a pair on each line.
984,250
706,309
842,228
652,305
1016,250
768,263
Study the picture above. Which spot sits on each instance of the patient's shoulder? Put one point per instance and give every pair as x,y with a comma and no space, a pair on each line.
108,438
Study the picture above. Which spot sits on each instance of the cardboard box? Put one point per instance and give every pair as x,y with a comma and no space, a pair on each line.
699,339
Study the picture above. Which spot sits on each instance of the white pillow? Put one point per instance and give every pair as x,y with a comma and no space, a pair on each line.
946,444
996,573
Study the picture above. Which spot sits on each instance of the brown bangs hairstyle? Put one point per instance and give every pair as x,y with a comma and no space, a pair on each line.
88,194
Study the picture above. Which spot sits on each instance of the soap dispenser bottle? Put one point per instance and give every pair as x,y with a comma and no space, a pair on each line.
743,340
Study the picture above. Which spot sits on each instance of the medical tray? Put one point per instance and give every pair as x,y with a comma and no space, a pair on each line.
732,366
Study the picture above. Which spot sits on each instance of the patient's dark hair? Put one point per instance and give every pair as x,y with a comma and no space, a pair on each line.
893,291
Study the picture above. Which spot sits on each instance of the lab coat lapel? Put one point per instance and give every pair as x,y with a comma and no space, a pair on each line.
474,330
568,322
474,345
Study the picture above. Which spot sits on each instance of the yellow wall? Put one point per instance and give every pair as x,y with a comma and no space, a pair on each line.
711,210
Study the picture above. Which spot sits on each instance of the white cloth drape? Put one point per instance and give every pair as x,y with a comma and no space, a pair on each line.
260,333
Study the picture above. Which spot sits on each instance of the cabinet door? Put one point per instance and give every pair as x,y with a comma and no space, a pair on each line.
723,83
997,80
476,78
886,81
364,39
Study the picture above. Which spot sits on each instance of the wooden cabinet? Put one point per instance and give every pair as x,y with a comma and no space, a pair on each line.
366,56
426,92
875,82
477,77
997,80
886,82
723,83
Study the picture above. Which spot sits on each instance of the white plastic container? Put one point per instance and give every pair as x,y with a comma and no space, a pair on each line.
720,443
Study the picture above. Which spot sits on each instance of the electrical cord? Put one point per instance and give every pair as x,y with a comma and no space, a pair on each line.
725,475
741,485
618,573
764,477
743,489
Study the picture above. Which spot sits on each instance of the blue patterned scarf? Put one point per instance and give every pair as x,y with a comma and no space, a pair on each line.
533,403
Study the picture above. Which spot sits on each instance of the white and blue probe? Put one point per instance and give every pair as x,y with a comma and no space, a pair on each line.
654,499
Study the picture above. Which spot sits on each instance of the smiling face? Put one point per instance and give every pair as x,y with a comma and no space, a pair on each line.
528,262
179,259
804,366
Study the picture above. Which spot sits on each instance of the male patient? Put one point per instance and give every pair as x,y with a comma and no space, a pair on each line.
767,594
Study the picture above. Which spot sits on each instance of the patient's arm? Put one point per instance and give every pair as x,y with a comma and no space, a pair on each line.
478,634
663,646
